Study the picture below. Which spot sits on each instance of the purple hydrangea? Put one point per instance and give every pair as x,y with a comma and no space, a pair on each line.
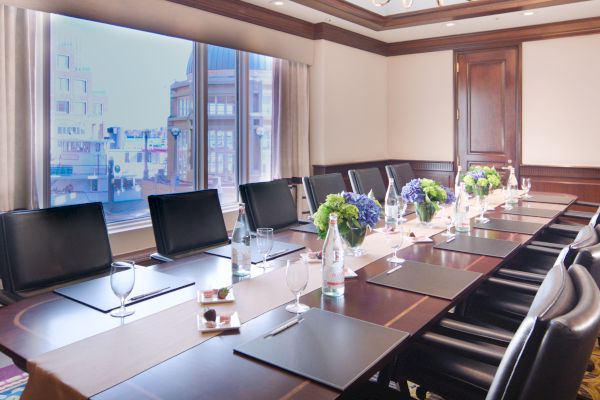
412,192
477,174
450,197
368,210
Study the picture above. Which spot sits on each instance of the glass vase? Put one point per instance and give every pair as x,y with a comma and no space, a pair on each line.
354,237
425,212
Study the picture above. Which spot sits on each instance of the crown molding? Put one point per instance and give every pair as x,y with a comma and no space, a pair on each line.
247,12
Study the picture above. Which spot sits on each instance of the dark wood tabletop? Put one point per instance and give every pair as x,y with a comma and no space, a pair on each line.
43,323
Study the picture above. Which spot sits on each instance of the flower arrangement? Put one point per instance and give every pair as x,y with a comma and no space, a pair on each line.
479,180
426,194
353,210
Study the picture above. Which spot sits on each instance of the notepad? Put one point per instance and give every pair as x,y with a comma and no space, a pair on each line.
548,198
279,249
481,246
532,212
507,225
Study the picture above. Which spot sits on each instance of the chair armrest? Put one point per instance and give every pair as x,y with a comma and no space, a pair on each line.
551,245
7,298
574,229
521,275
476,330
543,250
489,353
587,203
160,257
514,285
578,214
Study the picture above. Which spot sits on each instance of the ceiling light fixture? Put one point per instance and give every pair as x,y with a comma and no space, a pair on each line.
277,3
449,24
405,3
528,13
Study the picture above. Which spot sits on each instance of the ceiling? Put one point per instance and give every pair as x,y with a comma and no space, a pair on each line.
396,7
374,21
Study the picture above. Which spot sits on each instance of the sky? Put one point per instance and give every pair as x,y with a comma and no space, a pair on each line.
133,68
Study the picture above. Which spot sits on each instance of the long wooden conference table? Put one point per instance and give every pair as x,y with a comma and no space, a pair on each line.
45,323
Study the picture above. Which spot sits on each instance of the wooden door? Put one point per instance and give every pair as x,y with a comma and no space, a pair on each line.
487,98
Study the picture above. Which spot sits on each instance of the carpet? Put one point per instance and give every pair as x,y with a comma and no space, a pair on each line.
12,382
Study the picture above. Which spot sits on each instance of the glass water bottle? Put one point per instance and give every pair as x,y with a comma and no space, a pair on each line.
392,202
461,210
241,258
332,261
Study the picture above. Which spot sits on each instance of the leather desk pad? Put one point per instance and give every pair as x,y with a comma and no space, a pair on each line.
97,293
306,228
428,279
507,225
548,198
532,212
482,246
279,249
326,347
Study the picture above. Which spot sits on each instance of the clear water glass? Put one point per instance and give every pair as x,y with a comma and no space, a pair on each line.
526,186
296,278
448,219
482,203
507,194
264,244
402,210
122,279
395,239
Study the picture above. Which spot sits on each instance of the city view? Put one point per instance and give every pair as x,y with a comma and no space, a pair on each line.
122,118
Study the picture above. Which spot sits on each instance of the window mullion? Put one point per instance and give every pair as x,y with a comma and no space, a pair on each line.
243,117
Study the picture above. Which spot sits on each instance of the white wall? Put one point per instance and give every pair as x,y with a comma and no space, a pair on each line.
348,105
173,19
420,106
561,101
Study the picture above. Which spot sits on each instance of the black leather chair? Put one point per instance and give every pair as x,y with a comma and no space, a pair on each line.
401,173
317,188
545,359
184,223
42,249
269,204
365,180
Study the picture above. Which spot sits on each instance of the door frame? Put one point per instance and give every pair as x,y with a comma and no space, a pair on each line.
518,101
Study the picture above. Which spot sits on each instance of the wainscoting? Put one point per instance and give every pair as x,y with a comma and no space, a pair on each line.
582,182
441,171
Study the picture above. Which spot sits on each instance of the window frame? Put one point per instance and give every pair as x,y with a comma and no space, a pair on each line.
201,107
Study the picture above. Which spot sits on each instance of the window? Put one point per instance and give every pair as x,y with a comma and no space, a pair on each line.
62,62
62,84
79,86
122,124
137,75
62,106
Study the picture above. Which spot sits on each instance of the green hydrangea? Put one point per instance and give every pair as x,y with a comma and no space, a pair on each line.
346,213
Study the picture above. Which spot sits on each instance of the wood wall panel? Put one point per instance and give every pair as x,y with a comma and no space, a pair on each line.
441,171
582,182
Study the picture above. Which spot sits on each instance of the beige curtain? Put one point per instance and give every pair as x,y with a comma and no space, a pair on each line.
21,108
290,140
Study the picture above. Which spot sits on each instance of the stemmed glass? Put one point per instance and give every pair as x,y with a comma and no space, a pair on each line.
122,279
402,210
264,243
526,186
448,219
296,277
395,239
507,194
482,203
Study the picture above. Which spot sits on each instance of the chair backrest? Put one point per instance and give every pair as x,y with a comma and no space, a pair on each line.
589,257
566,347
317,188
184,222
44,247
555,297
595,220
365,180
269,204
587,236
402,174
